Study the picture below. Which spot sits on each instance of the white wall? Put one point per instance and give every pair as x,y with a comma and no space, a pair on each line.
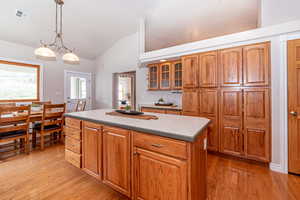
279,11
123,56
52,72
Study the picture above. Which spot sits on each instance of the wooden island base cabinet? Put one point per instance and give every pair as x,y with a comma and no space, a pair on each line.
144,166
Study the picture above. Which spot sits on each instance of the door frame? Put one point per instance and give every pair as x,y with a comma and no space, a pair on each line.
83,73
284,105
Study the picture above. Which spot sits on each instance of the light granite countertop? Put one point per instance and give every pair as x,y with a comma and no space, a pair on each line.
160,107
172,126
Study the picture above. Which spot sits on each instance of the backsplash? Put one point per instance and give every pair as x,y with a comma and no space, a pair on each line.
144,96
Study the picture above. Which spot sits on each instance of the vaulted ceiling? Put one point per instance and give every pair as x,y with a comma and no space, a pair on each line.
93,26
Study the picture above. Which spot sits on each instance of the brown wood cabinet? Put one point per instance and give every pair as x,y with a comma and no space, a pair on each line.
144,166
153,77
73,142
162,111
190,102
165,76
231,121
208,69
257,123
234,92
208,107
92,145
155,174
177,75
117,159
190,71
256,64
231,67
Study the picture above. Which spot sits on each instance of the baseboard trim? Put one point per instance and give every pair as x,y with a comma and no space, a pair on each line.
277,168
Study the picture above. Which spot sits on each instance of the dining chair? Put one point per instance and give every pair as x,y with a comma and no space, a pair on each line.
52,122
14,125
4,105
40,104
80,105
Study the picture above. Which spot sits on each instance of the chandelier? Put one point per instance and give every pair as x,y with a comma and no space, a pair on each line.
48,51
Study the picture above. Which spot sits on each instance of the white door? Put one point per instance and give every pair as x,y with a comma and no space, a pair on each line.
77,87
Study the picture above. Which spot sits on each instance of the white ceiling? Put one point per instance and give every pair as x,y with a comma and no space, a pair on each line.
174,22
93,26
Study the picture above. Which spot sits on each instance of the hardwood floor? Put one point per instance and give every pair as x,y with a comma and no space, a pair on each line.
46,175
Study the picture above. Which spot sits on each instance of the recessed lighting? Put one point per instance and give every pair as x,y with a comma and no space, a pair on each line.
163,60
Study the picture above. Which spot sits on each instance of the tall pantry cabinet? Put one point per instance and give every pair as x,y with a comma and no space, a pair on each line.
234,92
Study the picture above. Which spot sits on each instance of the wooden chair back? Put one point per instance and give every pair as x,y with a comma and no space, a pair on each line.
80,105
41,103
14,118
53,114
4,105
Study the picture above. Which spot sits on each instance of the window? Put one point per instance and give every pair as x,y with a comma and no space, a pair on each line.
78,88
19,81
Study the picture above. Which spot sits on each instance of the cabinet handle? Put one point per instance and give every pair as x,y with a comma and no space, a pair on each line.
93,129
157,145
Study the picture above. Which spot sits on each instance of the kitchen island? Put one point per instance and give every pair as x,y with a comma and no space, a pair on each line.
161,159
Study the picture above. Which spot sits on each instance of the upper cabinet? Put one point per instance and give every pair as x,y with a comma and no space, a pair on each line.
177,75
208,69
190,71
165,76
256,63
231,67
153,77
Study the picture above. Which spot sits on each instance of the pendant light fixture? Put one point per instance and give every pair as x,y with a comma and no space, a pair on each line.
48,51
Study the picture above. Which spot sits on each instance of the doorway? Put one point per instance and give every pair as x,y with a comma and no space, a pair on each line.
294,106
124,90
77,87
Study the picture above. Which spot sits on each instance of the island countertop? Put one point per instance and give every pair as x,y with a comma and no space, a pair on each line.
172,126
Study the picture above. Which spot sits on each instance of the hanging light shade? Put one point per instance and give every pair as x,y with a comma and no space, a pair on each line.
71,58
48,51
45,53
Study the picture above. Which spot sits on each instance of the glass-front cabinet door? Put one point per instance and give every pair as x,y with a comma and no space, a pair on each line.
177,75
153,79
165,76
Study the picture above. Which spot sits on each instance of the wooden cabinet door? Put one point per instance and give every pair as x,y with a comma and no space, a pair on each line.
256,64
231,117
294,105
257,123
158,176
116,159
190,102
208,107
231,67
190,71
208,64
165,76
153,77
177,75
92,151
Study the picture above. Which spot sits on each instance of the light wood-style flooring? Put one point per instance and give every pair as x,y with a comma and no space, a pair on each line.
46,175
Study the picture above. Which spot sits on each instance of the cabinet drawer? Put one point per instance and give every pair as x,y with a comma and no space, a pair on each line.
73,145
162,145
73,158
73,123
72,132
91,125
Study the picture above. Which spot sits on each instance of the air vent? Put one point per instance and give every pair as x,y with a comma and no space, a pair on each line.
20,13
